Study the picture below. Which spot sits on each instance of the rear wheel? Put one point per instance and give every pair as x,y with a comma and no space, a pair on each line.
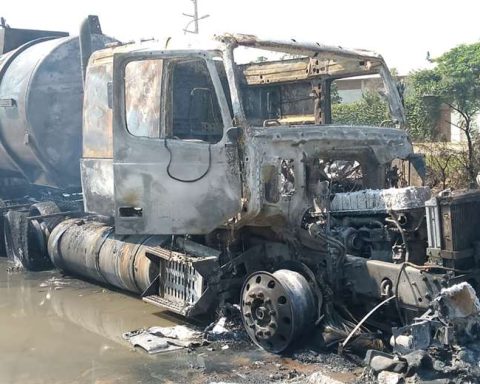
26,239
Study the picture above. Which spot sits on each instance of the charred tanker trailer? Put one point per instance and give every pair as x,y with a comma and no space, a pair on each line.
206,181
41,98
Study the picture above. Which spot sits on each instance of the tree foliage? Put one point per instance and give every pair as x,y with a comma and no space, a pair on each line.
444,164
459,71
422,108
421,113
369,110
454,81
459,87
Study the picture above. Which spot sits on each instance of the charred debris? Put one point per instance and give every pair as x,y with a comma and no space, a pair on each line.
195,180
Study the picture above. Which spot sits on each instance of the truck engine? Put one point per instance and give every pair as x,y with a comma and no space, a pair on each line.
203,181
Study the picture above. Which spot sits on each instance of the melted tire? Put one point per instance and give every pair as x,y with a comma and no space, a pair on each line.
26,240
277,308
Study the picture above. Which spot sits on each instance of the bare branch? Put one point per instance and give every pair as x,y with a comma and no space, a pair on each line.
456,125
459,111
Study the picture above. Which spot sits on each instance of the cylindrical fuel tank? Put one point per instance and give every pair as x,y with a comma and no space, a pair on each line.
41,98
92,250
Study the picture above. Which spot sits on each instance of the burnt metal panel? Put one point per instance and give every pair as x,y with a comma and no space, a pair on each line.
97,114
370,146
12,38
289,70
171,186
41,133
460,221
97,185
364,277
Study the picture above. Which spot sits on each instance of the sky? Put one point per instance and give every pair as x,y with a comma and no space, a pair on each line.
401,31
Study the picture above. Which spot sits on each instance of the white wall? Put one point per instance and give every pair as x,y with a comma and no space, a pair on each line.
457,135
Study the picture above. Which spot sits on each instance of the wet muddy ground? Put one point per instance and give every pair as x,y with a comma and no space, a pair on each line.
58,329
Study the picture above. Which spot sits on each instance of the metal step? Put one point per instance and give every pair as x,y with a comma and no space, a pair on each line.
166,304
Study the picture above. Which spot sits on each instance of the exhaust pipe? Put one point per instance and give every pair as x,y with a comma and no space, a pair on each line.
91,25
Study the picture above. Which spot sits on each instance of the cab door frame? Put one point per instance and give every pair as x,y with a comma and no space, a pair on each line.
147,198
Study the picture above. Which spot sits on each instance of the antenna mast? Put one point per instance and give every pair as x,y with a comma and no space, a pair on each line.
195,19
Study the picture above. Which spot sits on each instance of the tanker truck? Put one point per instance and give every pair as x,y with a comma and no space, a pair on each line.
194,175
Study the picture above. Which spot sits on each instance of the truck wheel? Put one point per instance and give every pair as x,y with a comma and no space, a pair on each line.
26,240
276,308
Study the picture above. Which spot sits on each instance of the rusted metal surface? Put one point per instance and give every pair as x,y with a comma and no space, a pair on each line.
170,169
304,69
12,38
97,112
168,164
211,171
97,185
364,144
92,250
41,130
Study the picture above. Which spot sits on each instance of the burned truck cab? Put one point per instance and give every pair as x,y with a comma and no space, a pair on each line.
209,180
170,119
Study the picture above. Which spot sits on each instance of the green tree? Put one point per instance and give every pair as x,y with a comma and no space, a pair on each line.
459,87
422,112
454,81
369,110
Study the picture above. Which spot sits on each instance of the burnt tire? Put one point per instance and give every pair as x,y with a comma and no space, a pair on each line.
277,308
26,241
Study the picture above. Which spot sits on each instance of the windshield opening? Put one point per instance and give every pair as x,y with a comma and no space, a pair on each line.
294,89
360,100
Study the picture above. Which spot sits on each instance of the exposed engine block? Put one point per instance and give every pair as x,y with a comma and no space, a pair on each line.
385,224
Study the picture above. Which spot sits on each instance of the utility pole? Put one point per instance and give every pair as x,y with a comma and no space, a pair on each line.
194,20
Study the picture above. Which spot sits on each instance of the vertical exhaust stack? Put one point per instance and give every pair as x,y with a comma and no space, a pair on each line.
90,26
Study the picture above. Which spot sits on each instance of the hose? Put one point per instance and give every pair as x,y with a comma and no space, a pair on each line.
190,180
394,221
365,318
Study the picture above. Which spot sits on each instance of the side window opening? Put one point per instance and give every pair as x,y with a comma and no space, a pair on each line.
195,110
143,91
172,99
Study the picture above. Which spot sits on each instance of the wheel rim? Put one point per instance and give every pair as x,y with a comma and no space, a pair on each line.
276,308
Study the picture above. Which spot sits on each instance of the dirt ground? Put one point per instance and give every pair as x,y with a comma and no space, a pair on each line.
58,329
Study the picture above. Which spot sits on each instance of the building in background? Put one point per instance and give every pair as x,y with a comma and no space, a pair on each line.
351,90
